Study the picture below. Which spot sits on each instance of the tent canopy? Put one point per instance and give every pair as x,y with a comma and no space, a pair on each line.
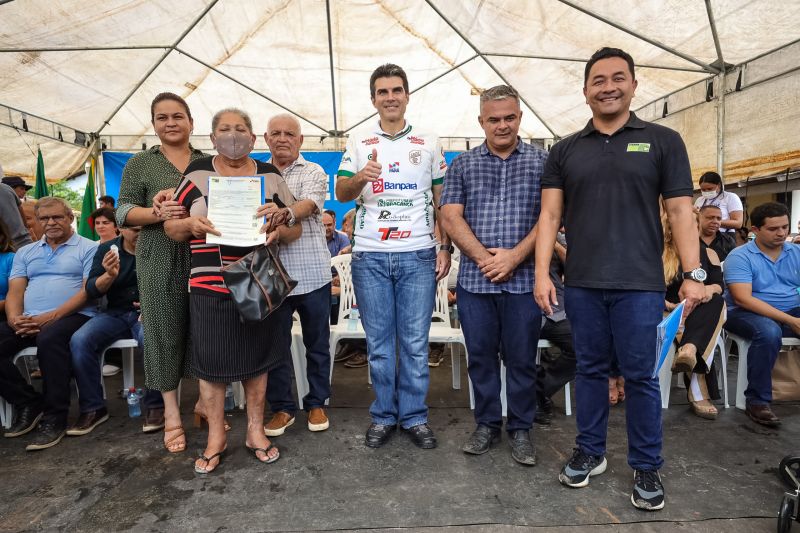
73,68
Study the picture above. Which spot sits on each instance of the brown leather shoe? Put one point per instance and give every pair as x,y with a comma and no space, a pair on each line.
278,424
762,414
153,420
317,420
87,422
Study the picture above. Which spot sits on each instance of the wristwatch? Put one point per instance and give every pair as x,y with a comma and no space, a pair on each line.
292,221
449,248
698,274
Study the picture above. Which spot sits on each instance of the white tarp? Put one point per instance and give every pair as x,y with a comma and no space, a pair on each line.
80,64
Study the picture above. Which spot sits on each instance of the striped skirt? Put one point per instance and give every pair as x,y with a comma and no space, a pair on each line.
225,349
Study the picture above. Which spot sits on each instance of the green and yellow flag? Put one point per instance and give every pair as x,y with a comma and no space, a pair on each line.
86,223
40,191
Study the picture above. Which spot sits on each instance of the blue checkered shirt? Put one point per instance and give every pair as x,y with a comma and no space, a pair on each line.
501,200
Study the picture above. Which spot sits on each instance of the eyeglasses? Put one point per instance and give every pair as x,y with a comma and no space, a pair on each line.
54,218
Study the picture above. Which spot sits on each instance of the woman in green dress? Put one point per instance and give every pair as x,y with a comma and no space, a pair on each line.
162,265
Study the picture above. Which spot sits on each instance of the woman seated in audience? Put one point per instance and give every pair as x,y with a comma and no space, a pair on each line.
105,224
224,348
6,258
701,328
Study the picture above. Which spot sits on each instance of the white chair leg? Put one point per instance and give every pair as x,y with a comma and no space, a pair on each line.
455,363
127,368
299,363
723,358
567,400
503,401
5,414
741,374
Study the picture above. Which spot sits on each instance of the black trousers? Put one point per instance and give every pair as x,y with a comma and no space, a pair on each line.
554,373
52,345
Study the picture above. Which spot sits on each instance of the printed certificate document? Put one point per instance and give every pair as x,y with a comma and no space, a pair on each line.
232,205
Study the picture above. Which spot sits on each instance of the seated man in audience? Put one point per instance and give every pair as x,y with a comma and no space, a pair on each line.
709,221
336,239
555,372
11,214
46,304
763,277
105,202
113,275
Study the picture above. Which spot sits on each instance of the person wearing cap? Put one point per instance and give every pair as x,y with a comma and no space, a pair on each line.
26,207
11,214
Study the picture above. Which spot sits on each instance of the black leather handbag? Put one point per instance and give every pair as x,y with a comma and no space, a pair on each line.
258,283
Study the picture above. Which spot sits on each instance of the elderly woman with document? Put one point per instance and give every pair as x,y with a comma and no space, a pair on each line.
235,204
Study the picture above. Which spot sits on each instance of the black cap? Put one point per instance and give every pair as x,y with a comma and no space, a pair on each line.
16,181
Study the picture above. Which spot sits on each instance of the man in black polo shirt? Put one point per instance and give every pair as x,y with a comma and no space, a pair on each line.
607,179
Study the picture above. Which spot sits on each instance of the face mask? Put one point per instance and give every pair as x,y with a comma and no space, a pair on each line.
709,194
233,144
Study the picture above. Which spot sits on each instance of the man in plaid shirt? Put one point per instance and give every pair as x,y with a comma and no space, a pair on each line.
490,206
308,261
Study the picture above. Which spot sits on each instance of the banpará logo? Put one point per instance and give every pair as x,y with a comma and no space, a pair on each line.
392,186
396,202
394,167
415,157
377,186
393,233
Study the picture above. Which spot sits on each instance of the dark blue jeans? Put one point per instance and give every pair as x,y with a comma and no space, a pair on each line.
624,322
501,323
765,335
314,309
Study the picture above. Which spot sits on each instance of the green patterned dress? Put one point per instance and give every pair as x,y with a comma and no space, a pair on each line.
162,268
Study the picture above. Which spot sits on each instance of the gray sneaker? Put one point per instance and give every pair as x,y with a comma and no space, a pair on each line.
648,492
580,468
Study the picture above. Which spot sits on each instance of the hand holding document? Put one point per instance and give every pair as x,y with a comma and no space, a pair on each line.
232,206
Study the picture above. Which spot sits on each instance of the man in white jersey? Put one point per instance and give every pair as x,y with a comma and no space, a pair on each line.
395,174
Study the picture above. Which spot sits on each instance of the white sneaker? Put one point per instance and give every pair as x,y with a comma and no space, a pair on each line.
110,370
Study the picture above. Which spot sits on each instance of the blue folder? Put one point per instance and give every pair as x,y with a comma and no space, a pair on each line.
667,330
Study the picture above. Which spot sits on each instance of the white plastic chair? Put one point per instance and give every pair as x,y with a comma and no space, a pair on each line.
344,328
126,345
741,375
665,372
541,345
443,332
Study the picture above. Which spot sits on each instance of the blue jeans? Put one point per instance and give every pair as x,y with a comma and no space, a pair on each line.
395,292
506,324
623,322
765,335
87,346
314,309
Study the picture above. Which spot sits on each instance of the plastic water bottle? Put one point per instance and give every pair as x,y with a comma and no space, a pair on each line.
134,407
355,316
229,401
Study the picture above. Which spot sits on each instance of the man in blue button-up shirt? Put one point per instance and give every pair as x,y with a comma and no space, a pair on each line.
763,280
490,206
46,304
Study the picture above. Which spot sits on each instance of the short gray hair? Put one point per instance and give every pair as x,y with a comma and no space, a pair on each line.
499,92
349,214
235,110
47,201
287,116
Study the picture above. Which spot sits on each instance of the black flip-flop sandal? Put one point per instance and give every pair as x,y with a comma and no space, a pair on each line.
266,453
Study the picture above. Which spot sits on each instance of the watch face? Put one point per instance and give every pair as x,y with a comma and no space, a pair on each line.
698,274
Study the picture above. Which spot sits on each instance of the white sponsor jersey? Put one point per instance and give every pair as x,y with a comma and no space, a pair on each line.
395,213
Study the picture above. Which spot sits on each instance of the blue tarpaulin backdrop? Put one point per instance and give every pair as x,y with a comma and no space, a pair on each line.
114,162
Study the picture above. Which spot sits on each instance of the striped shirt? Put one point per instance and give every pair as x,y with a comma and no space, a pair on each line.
307,259
208,259
501,199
